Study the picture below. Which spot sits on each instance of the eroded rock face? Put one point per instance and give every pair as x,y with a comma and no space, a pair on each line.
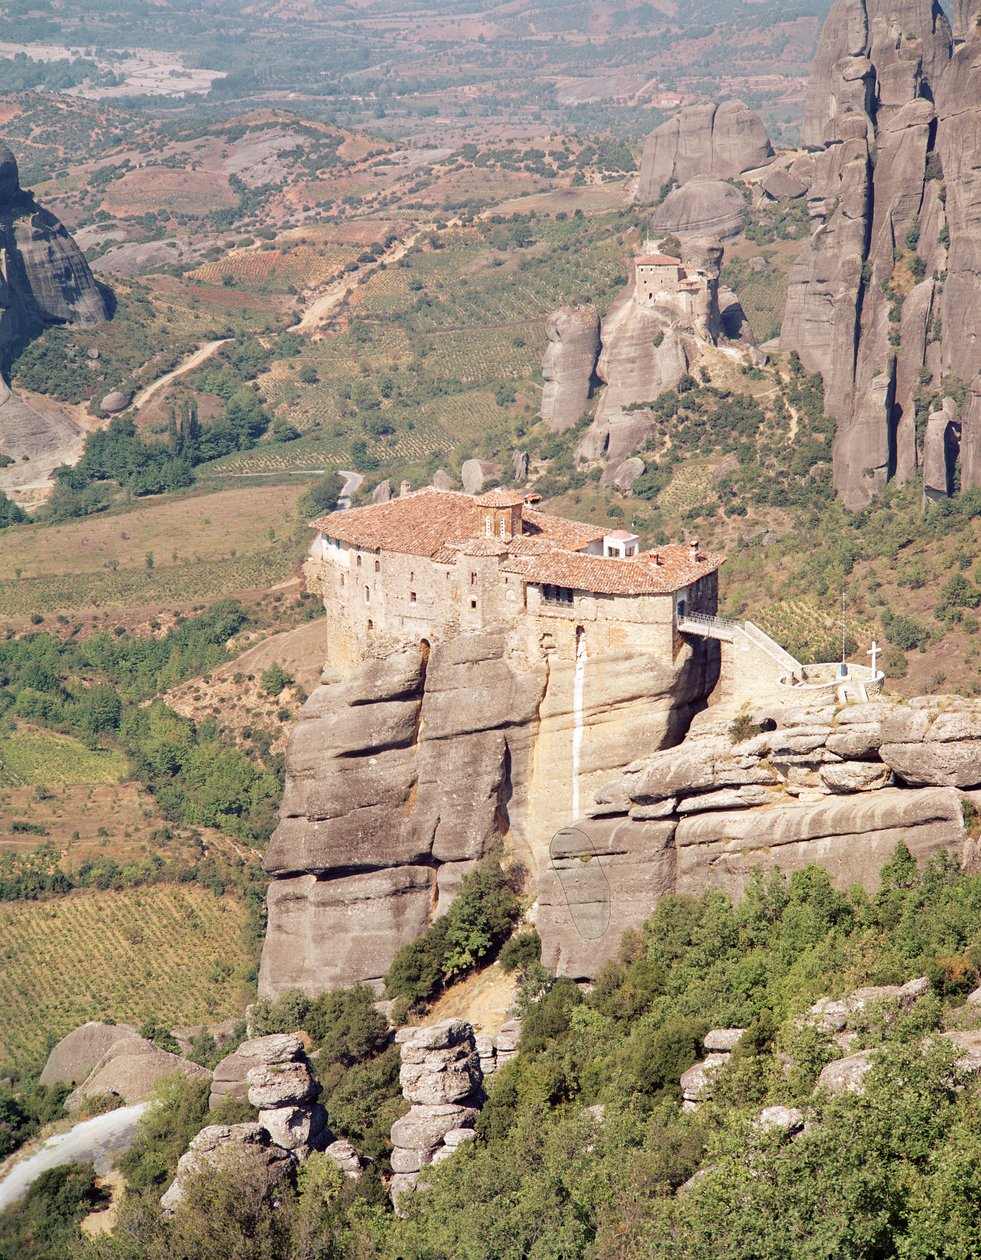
840,788
233,1146
569,365
441,1076
74,1057
703,208
402,776
131,1068
883,86
717,141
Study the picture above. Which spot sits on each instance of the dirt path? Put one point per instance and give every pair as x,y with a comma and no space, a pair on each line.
324,303
352,481
201,355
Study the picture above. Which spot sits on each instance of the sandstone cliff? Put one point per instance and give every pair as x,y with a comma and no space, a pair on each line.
569,365
837,787
883,298
403,774
44,279
708,139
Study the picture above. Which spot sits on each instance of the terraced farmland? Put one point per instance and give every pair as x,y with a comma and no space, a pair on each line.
170,954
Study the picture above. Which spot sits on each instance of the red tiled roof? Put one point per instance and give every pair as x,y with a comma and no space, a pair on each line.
621,535
419,524
657,260
572,535
604,576
500,498
443,524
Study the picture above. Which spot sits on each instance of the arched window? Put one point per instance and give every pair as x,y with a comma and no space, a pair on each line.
378,566
367,594
503,527
488,526
359,562
371,625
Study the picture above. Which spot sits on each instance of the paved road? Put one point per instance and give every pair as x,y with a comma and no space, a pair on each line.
201,355
90,1141
352,480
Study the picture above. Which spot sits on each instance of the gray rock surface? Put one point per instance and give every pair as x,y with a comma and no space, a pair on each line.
131,1068
701,207
114,402
845,1076
569,365
74,1057
229,1077
719,141
441,1076
240,1146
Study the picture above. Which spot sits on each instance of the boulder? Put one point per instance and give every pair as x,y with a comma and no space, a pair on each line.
520,464
382,493
723,1040
424,1127
623,475
131,1068
114,402
281,1084
74,1057
835,1015
781,185
701,207
845,1076
698,1082
229,1078
855,776
786,1120
475,473
708,139
442,480
300,1129
346,1158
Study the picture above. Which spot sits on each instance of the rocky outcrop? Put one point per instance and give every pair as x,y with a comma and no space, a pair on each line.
282,1088
712,140
701,207
882,300
75,1056
836,787
130,1069
244,1148
441,1076
569,365
475,473
404,774
698,1083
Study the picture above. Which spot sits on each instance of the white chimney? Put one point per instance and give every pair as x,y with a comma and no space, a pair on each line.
404,489
693,550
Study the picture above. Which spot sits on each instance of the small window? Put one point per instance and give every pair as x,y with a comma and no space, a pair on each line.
371,625
503,527
367,594
473,605
342,579
412,597
488,527
473,579
378,566
359,562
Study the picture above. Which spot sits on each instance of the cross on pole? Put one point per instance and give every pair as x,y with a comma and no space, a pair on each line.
873,652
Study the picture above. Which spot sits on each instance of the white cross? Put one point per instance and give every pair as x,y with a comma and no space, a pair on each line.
873,652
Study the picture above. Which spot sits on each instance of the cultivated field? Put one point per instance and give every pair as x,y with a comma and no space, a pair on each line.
32,758
164,953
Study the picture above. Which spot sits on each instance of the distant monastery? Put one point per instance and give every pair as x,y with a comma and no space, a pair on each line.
435,563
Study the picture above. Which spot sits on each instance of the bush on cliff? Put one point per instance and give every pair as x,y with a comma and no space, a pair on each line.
478,922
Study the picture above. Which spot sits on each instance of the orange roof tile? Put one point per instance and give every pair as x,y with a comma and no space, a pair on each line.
572,535
605,576
419,524
657,260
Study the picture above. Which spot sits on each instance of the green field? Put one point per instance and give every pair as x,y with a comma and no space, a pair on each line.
40,757
164,953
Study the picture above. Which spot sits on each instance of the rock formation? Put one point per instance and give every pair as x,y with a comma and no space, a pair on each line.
716,141
706,208
839,787
283,1089
648,344
698,1083
569,365
882,300
44,279
130,1068
74,1057
403,774
441,1076
226,1147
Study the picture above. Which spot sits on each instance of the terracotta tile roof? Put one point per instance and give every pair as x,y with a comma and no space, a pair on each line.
641,576
572,535
500,498
443,525
621,535
419,524
657,260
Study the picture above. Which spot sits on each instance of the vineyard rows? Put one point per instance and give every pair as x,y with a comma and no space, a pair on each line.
128,588
143,954
36,757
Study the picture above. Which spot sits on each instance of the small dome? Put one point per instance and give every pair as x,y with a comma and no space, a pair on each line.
9,176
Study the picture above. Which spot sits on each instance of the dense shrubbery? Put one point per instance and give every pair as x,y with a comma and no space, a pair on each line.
10,513
45,1223
891,1174
478,922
